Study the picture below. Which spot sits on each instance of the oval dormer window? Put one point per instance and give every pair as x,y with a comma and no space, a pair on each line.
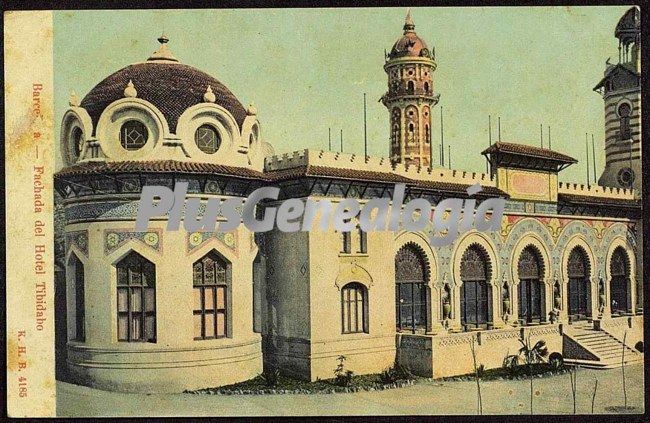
133,135
77,140
207,139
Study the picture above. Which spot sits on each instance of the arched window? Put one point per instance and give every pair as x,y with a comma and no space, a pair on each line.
426,87
620,277
410,87
427,134
208,140
210,281
77,140
410,289
363,241
474,291
531,288
133,135
77,269
346,247
136,299
354,308
624,112
578,272
396,125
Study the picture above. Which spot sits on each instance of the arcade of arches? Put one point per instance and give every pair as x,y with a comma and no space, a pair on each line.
413,296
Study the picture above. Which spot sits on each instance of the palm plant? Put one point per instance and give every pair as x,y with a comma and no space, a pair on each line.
536,354
532,355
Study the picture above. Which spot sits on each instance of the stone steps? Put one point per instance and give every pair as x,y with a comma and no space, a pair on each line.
607,349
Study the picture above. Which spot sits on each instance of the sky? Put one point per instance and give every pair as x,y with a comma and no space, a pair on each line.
306,70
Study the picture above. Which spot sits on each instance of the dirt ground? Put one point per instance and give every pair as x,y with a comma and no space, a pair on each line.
551,395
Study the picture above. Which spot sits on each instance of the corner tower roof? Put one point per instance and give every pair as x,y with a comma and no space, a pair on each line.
506,154
409,44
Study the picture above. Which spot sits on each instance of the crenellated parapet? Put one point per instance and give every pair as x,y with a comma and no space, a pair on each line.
596,191
335,160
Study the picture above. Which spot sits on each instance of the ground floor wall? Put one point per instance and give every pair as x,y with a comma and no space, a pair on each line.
186,328
159,369
364,354
455,354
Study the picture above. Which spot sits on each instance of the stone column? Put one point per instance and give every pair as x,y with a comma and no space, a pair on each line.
564,287
632,294
497,319
594,300
607,310
454,321
434,310
514,302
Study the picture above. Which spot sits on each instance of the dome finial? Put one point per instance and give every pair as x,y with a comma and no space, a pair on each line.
252,110
163,52
163,39
130,90
409,26
209,96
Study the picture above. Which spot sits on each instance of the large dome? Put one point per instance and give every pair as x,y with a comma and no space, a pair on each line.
170,86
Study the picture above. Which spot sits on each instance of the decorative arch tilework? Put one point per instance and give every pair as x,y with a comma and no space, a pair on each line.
79,239
519,229
194,240
555,233
444,259
115,238
613,231
573,228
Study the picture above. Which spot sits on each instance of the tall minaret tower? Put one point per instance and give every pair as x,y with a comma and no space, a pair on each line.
621,91
410,97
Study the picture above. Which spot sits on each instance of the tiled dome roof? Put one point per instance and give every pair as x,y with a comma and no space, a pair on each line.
170,86
409,44
629,25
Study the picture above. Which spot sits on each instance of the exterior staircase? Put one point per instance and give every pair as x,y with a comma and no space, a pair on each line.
587,347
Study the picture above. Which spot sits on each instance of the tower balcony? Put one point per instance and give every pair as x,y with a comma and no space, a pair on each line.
405,95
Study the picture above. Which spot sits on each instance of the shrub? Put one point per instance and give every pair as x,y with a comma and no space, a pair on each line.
556,360
480,370
510,363
271,377
395,373
342,377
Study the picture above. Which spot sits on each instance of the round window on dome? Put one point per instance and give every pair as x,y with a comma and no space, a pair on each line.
133,135
207,139
77,141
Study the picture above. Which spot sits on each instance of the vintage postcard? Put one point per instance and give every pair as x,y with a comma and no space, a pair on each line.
324,211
